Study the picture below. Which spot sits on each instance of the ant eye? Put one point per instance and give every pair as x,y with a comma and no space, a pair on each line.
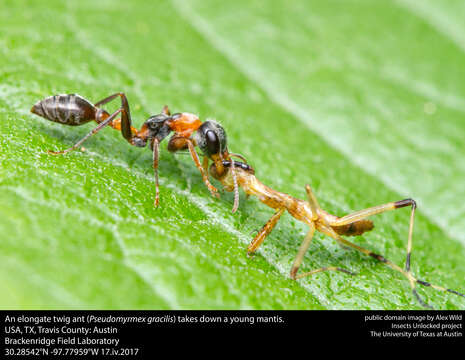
211,138
156,122
212,142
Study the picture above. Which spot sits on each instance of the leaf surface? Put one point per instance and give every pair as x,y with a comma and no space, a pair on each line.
349,97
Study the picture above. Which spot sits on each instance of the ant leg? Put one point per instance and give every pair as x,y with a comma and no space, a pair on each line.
177,143
165,110
300,256
125,124
205,164
99,127
196,160
218,160
236,188
264,231
156,151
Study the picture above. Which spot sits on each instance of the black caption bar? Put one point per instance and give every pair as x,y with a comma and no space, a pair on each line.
133,333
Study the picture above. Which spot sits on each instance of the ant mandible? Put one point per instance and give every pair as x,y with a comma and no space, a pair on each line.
188,132
310,213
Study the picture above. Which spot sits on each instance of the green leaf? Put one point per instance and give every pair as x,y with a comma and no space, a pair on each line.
361,99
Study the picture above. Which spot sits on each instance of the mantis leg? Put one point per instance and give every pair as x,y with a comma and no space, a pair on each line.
300,256
264,231
362,214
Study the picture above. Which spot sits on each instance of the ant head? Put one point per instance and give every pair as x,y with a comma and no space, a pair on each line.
155,122
211,138
157,126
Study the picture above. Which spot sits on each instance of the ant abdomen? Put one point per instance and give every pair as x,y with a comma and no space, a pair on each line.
69,109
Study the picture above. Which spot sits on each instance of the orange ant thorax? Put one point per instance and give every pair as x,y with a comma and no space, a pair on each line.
184,124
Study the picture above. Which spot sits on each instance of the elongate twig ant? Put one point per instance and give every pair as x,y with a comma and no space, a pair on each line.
188,132
311,214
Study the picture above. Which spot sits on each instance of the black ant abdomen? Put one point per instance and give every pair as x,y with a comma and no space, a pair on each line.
69,109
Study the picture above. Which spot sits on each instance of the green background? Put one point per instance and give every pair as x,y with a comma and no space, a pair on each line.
364,100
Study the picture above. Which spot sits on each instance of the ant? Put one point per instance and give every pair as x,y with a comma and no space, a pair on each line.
188,132
311,214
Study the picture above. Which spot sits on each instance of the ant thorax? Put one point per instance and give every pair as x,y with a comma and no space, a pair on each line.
184,124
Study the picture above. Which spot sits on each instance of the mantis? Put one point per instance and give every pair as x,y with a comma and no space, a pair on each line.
309,212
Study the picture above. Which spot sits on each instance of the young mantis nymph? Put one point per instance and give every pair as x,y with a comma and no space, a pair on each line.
310,213
188,132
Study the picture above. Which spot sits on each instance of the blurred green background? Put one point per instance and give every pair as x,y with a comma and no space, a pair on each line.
364,100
